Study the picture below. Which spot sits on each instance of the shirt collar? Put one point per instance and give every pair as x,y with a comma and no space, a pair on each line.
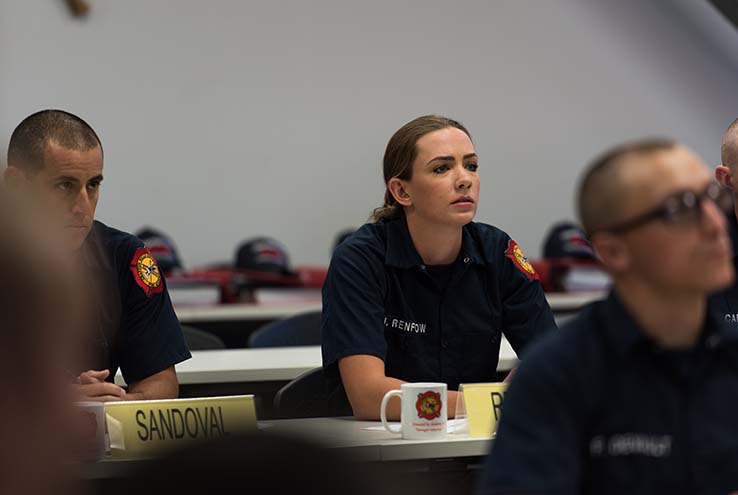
401,252
625,334
620,327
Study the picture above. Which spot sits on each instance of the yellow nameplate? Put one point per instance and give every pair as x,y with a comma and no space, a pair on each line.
144,428
483,404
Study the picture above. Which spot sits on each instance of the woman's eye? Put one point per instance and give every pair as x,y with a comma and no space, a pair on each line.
472,166
440,169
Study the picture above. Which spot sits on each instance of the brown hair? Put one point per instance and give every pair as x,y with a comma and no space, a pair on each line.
401,153
28,142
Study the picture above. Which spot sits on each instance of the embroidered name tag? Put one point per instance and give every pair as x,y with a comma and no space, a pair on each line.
731,317
631,444
403,325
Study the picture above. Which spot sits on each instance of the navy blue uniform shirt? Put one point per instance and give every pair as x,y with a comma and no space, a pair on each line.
724,305
133,324
599,409
443,326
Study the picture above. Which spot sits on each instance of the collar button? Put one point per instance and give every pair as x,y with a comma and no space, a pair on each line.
467,259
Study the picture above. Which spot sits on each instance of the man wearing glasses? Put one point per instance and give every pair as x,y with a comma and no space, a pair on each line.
639,393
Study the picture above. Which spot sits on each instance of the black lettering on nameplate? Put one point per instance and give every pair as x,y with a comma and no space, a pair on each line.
496,404
173,424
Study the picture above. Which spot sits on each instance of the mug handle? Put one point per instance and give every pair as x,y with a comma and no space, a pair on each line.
383,410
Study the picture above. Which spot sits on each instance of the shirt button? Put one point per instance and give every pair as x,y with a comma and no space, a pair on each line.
467,259
422,267
712,341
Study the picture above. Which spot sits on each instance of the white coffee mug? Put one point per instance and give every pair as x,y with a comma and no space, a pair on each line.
91,428
424,412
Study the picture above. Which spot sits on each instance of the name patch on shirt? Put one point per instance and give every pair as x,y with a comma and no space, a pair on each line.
404,325
631,444
731,317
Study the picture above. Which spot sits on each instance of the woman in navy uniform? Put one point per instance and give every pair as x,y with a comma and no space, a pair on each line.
423,293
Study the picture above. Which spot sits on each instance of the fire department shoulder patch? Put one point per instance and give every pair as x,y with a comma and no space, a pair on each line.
518,258
146,272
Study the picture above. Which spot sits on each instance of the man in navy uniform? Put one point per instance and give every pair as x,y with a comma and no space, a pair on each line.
55,159
638,393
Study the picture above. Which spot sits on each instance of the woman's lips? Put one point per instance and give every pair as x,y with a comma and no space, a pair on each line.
465,201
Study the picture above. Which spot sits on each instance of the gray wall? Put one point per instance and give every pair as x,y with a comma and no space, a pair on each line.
226,119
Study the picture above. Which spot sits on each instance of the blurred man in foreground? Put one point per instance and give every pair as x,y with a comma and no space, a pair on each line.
38,312
638,393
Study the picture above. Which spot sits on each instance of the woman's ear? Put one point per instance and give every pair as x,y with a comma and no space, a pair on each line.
397,188
724,177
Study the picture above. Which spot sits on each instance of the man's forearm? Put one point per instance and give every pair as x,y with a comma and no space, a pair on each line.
162,385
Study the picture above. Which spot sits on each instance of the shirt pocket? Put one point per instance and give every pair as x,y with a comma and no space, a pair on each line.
395,358
480,351
405,340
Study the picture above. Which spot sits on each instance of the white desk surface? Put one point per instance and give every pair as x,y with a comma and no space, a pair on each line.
270,364
247,365
275,310
347,434
340,433
244,311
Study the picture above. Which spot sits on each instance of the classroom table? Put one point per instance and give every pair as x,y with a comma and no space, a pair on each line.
270,364
346,434
560,302
233,323
349,435
262,372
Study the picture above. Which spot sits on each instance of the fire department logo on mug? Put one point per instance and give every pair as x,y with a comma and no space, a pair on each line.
429,405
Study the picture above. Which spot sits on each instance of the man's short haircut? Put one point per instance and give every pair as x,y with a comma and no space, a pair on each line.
601,190
729,148
28,142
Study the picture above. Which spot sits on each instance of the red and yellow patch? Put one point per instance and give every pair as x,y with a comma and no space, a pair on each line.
146,272
518,258
429,405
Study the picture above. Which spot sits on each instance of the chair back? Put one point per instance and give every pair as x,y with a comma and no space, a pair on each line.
299,330
314,394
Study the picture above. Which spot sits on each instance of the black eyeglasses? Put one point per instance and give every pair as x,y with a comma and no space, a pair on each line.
683,208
